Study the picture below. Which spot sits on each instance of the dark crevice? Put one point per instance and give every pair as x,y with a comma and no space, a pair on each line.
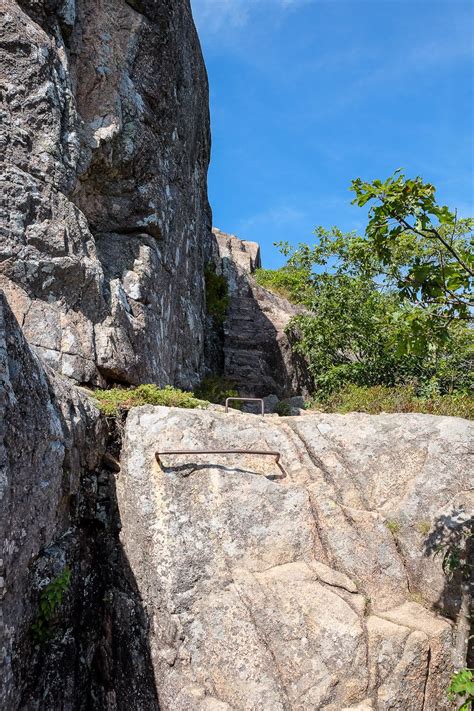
428,664
399,550
452,538
97,655
114,378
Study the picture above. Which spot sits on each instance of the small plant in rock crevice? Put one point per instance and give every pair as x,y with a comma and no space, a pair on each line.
393,526
417,597
217,295
423,527
217,389
51,597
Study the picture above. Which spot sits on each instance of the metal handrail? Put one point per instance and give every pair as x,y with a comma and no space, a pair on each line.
222,451
245,399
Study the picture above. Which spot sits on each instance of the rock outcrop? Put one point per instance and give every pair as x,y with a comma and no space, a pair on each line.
49,437
57,517
310,586
105,219
257,354
196,582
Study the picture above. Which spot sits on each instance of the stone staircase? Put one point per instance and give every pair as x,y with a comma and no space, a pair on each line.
257,352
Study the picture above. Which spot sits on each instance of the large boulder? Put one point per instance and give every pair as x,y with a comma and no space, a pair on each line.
304,584
105,219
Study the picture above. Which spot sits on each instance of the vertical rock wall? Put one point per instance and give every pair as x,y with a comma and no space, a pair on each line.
49,438
105,219
58,515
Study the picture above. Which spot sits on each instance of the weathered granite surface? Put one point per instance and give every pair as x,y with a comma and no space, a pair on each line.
312,588
104,220
257,353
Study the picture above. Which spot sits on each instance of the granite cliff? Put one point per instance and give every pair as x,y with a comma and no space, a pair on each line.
106,221
195,582
224,581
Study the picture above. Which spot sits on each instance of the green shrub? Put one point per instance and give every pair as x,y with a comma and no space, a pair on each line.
216,389
117,400
51,597
289,282
217,295
393,526
382,315
462,685
283,409
376,399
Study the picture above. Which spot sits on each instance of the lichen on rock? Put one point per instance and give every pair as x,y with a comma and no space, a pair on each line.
106,148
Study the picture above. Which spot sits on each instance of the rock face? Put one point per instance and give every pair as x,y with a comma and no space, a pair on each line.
105,219
57,514
310,586
237,582
49,435
257,354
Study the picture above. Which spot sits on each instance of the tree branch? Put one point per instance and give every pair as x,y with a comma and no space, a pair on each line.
437,235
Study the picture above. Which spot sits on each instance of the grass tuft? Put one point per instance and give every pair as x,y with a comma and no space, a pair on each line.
423,527
116,400
393,526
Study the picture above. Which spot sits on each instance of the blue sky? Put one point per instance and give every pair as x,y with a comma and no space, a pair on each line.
308,94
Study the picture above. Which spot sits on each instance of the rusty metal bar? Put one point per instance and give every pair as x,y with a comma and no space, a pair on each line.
245,399
222,451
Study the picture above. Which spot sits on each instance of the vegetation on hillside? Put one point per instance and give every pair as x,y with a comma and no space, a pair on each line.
390,311
293,283
116,400
403,398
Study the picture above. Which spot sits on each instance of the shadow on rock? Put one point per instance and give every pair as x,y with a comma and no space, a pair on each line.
452,538
187,469
98,655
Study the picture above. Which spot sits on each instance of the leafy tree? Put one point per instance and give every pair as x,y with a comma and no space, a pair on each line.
388,308
422,248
